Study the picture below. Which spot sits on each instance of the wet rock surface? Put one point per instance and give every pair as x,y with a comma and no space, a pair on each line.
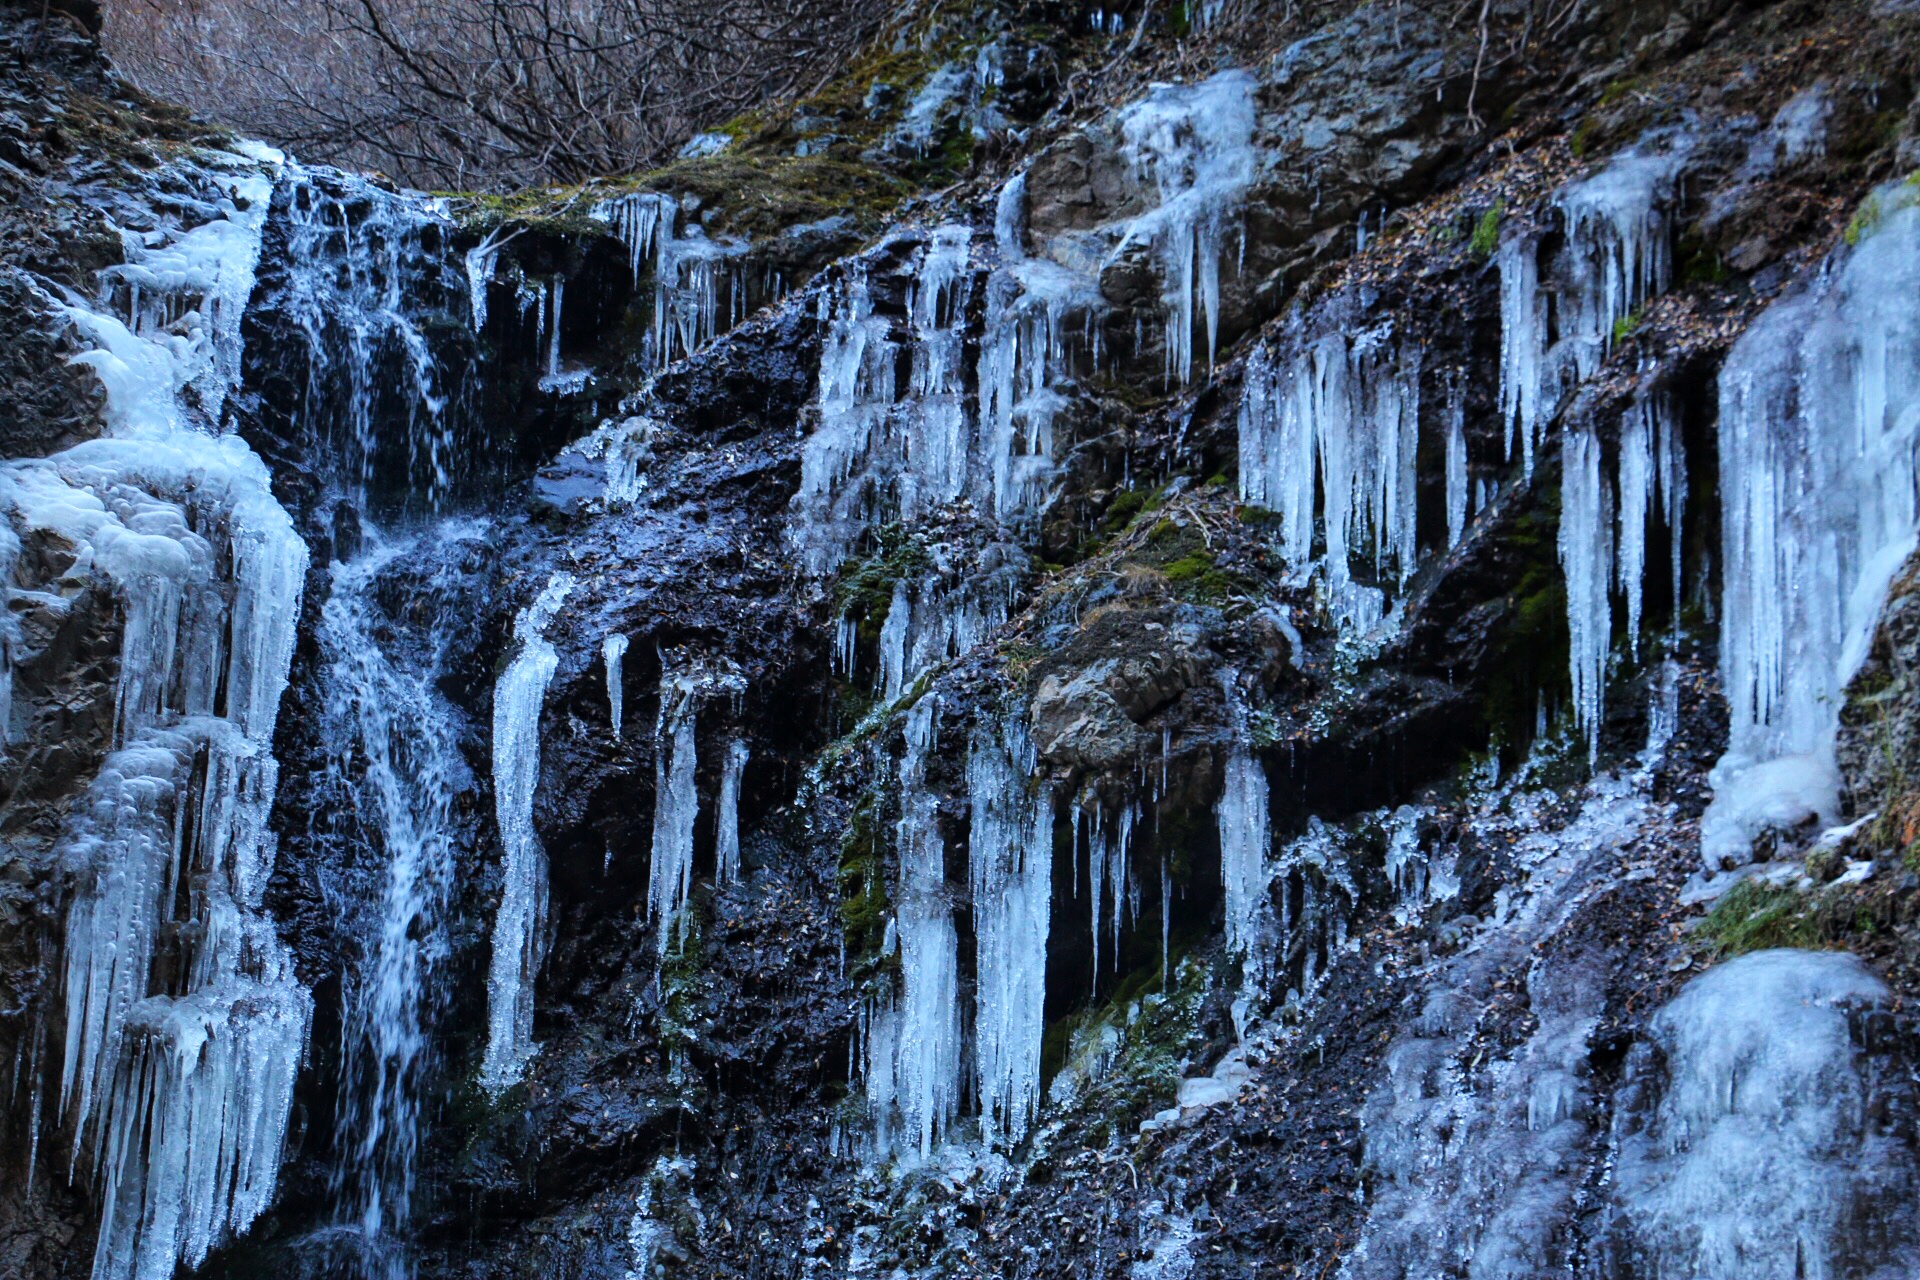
1474,933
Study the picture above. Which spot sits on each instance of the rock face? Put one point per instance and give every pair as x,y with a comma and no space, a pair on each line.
1088,651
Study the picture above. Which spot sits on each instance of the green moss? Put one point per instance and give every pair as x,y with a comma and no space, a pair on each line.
1585,134
1486,232
1699,263
680,986
1624,326
1619,90
1753,917
864,904
1121,511
1865,219
1145,1071
865,591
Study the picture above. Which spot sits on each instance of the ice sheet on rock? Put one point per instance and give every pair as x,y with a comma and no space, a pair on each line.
1819,409
1010,856
1751,1136
1192,147
519,926
1476,1158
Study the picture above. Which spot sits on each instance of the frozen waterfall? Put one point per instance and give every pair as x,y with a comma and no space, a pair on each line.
184,1022
519,927
1819,411
1010,854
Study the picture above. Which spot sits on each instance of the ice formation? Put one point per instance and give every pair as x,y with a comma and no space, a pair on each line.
726,834
1010,856
1475,1159
1586,558
1750,1140
692,273
1331,428
945,614
1819,409
913,1039
1615,257
1458,495
184,1022
884,450
676,803
519,927
1109,854
1245,868
614,650
1192,145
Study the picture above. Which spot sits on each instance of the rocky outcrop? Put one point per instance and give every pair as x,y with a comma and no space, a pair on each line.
1060,644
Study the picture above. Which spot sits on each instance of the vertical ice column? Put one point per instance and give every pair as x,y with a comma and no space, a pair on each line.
676,803
1456,467
1819,411
727,825
1010,856
913,1064
614,650
519,943
1523,346
1586,558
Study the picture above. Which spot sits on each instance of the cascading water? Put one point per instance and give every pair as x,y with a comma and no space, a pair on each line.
392,774
365,273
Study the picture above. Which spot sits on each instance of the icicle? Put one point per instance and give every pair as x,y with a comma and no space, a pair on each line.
1586,558
614,649
519,928
893,644
727,831
1636,501
1523,346
1245,846
1348,415
676,804
1456,466
481,262
1010,856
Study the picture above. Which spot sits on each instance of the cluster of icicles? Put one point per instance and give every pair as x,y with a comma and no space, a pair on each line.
1817,422
184,1023
178,1089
